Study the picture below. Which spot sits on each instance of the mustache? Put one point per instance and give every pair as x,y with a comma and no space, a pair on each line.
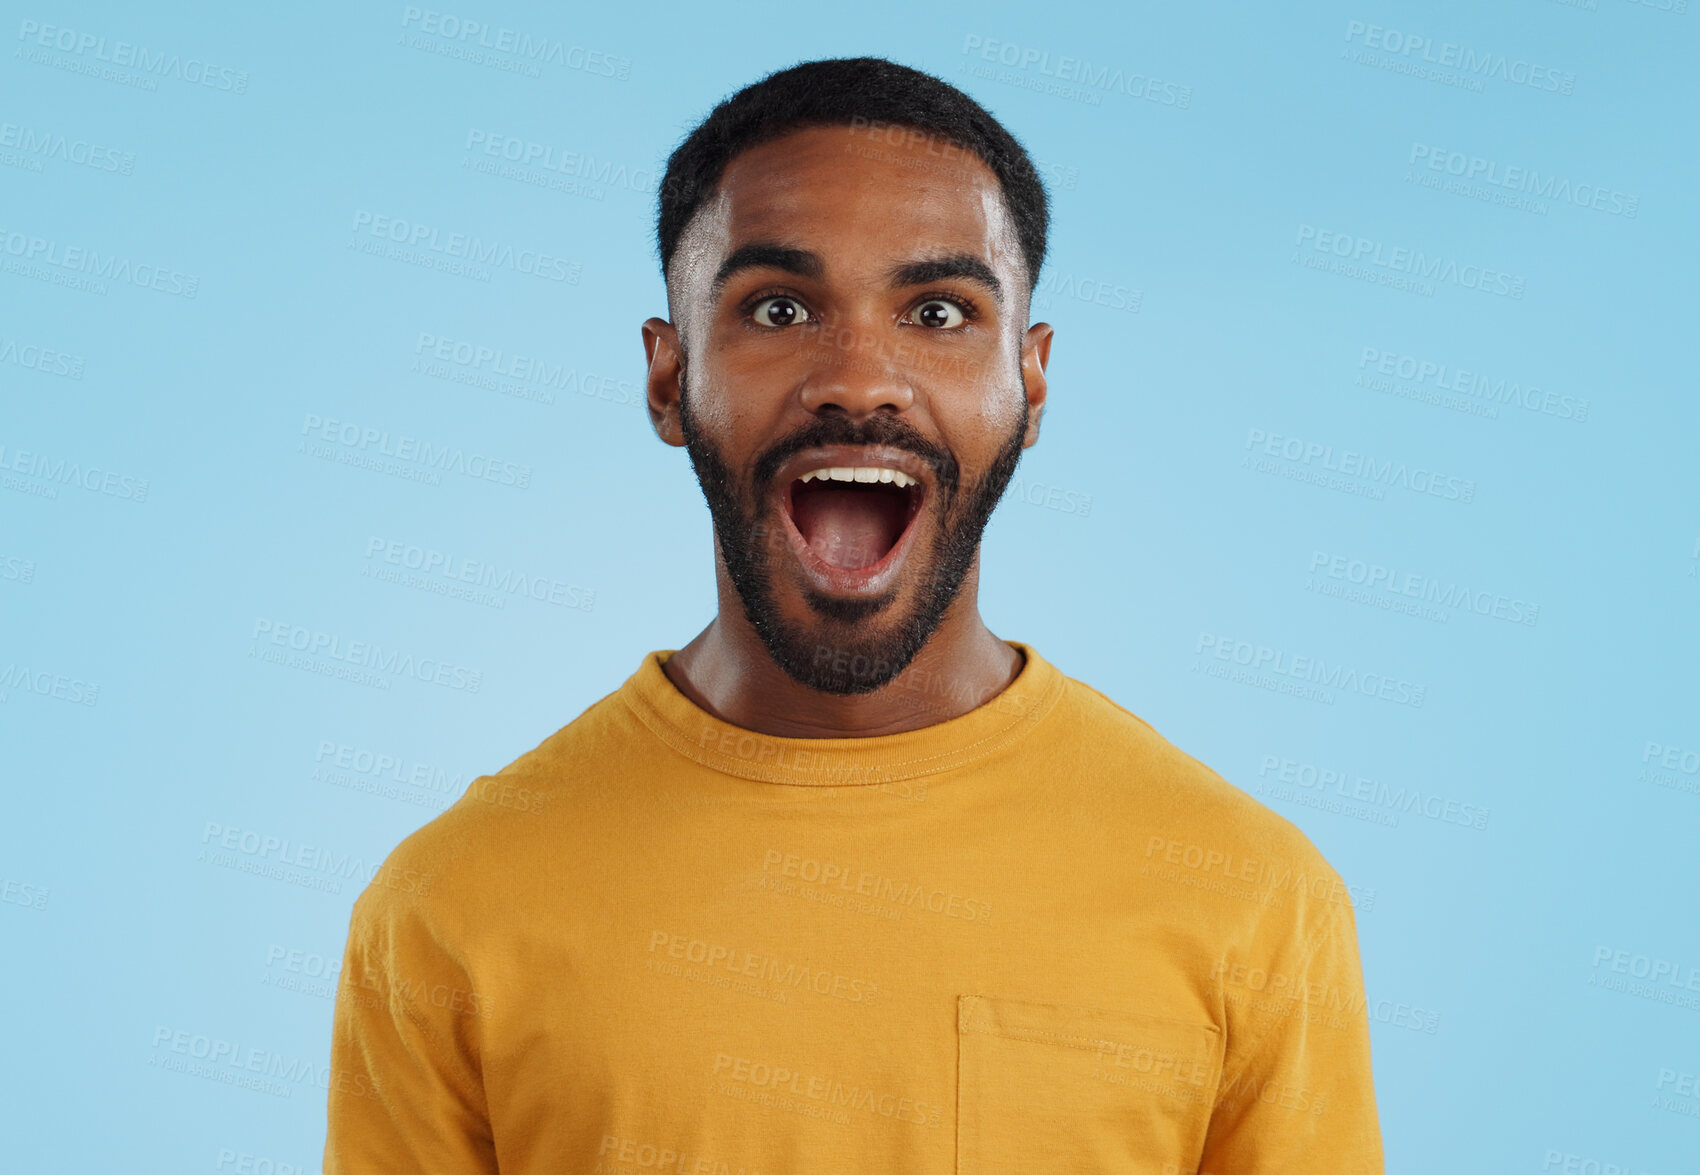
838,429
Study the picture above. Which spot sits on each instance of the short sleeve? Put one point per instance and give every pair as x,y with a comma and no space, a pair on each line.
1297,1094
406,1092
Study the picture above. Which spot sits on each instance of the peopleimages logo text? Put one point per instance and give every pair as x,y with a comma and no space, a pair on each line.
1416,586
1447,378
547,157
1351,463
53,472
312,642
39,144
131,56
92,263
1315,670
1399,259
1528,181
1463,58
496,254
1078,71
435,458
471,35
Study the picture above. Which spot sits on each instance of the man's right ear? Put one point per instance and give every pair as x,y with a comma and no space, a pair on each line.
666,360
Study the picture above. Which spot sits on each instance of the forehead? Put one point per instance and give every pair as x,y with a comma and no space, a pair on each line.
860,197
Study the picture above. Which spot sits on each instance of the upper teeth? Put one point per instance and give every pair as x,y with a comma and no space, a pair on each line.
860,473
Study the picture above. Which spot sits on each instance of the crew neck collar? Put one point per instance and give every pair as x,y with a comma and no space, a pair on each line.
886,758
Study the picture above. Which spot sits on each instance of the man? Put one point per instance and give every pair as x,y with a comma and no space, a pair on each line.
848,884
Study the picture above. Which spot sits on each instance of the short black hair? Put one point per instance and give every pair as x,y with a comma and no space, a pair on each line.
846,91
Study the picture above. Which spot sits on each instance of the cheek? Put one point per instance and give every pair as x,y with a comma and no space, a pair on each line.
1002,413
714,414
976,427
984,419
732,417
721,403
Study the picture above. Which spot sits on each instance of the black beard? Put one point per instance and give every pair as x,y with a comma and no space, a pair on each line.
848,660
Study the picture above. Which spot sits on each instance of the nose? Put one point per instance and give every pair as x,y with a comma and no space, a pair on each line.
850,373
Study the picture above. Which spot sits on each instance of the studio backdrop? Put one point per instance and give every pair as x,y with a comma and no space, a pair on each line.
1368,477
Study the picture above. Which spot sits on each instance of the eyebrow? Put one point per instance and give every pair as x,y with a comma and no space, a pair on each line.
803,263
963,265
766,255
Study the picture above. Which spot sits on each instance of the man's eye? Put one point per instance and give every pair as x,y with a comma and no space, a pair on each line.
779,311
939,314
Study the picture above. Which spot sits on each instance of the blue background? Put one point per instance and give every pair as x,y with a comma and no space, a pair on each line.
1522,843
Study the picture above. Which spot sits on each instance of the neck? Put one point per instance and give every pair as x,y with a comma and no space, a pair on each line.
728,671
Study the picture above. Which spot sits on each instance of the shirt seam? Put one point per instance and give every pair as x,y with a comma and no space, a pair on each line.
1256,1041
659,726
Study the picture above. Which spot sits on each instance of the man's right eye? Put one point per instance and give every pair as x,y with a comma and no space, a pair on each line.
779,311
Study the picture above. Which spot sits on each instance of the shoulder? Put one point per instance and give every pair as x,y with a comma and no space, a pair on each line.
1189,819
448,869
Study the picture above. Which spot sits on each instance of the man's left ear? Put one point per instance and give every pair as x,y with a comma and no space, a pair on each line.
1035,354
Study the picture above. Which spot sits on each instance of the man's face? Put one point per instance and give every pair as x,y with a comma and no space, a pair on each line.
853,301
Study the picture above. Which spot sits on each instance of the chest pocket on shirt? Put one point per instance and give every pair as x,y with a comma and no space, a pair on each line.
1050,1087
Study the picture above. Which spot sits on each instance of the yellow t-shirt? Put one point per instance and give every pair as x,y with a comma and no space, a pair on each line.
1034,937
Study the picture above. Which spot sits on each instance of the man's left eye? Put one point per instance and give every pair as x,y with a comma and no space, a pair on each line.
939,314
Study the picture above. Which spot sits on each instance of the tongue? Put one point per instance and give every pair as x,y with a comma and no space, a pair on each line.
849,525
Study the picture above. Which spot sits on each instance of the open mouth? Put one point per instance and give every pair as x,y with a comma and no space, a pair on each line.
852,517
